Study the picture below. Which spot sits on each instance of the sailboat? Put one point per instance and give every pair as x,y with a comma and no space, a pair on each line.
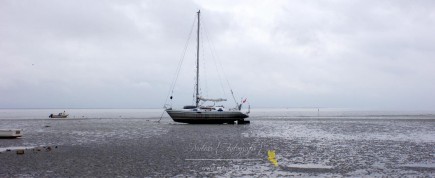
199,114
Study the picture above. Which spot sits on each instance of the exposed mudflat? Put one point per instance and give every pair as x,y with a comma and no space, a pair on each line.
299,146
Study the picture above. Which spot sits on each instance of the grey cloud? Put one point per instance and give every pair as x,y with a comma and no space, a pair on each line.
366,54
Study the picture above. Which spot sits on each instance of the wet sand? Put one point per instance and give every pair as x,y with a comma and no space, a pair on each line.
143,147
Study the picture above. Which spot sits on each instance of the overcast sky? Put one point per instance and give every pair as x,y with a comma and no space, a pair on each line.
124,54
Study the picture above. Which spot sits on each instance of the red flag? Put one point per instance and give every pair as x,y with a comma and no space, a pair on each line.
244,100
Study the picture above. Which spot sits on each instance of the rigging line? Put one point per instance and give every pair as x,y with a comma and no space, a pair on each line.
180,62
226,78
228,82
182,59
194,89
214,59
223,71
205,93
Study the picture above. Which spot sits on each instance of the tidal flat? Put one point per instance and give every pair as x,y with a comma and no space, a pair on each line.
271,146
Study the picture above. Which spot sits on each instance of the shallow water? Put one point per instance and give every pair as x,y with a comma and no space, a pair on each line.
278,142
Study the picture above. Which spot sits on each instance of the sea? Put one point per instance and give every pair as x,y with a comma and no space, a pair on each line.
279,142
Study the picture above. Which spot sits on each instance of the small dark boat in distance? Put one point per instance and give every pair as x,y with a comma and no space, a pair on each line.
60,115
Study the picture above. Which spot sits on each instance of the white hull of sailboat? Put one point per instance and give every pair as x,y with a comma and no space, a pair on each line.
206,117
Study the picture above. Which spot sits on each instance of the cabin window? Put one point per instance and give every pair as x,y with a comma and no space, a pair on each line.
17,132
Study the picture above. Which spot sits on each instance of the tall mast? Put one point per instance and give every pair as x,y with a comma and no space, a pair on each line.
197,62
